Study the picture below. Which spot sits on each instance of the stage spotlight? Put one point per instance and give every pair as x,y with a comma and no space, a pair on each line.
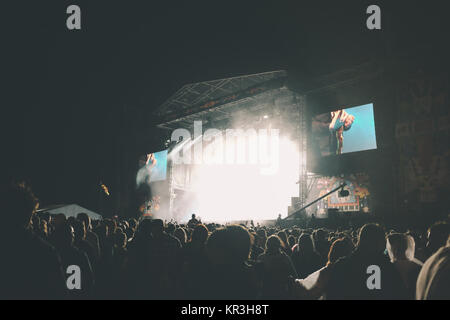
239,191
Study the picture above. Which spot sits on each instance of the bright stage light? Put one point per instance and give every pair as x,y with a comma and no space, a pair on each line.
230,192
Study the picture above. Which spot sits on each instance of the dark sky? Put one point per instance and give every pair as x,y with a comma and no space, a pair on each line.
67,91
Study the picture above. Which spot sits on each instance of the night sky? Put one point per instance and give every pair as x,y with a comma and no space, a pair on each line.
70,94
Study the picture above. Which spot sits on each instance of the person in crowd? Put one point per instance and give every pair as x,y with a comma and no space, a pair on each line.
170,229
82,244
284,244
433,282
59,219
164,253
321,243
193,221
132,224
401,248
30,267
292,241
277,268
104,240
195,263
120,248
91,236
180,234
258,244
72,256
139,279
305,258
279,222
130,230
119,265
105,280
340,248
228,251
436,238
43,231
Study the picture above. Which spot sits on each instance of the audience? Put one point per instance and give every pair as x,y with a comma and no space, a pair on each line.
150,259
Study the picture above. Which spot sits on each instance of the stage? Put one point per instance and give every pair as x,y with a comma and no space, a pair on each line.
253,147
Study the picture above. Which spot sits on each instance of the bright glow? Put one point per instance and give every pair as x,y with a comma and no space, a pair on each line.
230,192
266,116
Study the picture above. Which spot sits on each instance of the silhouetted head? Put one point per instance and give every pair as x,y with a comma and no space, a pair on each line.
261,236
79,230
71,220
101,230
132,223
170,228
200,234
85,219
59,219
291,241
112,225
321,235
340,248
438,234
229,246
120,239
43,227
64,235
157,227
371,239
305,243
180,234
273,244
35,222
145,228
283,237
400,246
18,205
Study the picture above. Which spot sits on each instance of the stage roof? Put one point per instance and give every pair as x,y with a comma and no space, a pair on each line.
194,101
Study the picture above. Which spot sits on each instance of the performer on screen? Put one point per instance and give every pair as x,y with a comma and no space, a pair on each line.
151,163
147,163
340,121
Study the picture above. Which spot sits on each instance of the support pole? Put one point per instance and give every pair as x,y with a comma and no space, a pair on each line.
318,199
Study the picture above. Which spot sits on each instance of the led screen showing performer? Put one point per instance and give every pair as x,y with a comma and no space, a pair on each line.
344,130
152,167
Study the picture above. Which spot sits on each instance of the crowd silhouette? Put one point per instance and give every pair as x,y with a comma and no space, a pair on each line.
151,259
